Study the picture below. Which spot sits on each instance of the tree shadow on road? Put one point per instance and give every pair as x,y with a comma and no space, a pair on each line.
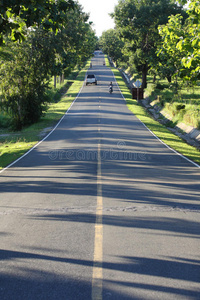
39,284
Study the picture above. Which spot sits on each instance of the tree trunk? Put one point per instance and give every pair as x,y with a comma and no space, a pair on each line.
169,78
144,79
54,81
144,76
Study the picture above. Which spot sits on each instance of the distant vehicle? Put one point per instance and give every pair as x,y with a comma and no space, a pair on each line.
98,52
91,79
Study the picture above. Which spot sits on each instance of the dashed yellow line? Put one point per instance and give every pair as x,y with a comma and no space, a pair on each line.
97,276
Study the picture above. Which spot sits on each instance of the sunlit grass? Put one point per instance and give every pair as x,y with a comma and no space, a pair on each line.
171,99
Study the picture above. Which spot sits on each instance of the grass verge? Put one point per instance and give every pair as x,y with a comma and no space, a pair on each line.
159,130
15,144
182,104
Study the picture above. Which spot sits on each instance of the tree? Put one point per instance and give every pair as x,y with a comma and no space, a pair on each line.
170,56
74,43
111,44
15,14
189,45
180,43
68,41
137,22
24,79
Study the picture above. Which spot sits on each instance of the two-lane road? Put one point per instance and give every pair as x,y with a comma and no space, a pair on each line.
101,209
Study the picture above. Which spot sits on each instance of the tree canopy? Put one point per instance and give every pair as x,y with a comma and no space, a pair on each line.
14,14
111,44
53,37
181,43
137,22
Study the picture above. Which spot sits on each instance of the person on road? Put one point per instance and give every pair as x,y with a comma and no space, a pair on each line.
111,87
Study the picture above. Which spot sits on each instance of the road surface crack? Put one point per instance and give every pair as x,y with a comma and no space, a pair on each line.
92,209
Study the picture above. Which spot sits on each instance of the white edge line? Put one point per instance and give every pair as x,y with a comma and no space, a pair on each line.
189,160
36,145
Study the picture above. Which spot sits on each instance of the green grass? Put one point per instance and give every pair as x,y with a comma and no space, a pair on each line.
15,144
171,100
159,130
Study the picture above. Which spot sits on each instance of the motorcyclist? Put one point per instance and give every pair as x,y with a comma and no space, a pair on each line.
111,87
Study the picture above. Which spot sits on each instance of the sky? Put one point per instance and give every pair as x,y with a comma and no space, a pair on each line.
99,10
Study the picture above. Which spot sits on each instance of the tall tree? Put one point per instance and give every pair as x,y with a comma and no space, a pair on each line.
111,44
138,23
189,44
170,56
24,77
180,43
15,13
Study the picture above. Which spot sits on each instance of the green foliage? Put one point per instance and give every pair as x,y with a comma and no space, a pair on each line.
192,116
60,38
14,15
183,106
137,22
4,121
75,43
24,79
186,113
5,54
181,44
111,44
170,56
190,44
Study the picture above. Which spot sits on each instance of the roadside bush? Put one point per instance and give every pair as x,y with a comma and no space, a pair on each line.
180,107
5,121
188,114
161,86
167,96
175,109
192,116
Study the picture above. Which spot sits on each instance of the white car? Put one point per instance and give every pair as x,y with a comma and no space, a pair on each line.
91,79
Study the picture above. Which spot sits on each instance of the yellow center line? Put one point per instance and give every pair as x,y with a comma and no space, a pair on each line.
98,242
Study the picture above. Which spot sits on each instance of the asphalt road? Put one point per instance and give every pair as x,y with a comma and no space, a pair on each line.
101,209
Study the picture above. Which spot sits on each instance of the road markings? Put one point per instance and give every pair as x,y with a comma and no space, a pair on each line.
97,276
